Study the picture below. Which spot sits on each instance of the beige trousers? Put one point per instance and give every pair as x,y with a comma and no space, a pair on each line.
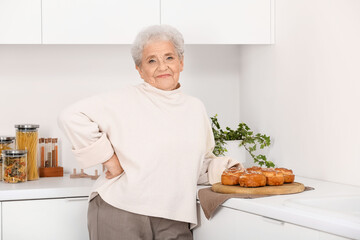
106,222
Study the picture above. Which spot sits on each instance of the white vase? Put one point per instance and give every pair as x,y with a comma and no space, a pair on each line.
234,151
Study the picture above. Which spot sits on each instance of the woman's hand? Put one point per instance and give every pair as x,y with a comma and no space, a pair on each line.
113,167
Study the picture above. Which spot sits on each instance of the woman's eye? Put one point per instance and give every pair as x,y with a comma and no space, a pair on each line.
170,58
151,61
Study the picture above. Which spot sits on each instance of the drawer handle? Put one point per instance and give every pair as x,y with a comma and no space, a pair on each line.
76,199
272,220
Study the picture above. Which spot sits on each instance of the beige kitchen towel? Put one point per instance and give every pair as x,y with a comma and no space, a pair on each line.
210,200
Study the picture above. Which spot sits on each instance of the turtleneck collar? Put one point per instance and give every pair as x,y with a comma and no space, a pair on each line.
172,94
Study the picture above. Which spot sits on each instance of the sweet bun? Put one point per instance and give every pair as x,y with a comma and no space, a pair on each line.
252,179
289,176
257,176
230,176
254,169
273,177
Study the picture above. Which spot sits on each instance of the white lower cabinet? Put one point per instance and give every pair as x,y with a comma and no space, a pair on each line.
56,219
234,224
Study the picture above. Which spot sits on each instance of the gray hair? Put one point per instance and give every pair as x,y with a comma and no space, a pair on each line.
157,32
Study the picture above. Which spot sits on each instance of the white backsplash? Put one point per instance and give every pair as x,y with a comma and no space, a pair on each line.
304,90
38,81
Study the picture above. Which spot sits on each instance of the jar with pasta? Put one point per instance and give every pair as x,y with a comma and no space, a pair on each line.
27,139
14,165
6,143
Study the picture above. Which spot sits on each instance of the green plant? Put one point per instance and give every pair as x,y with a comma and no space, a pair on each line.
250,141
219,134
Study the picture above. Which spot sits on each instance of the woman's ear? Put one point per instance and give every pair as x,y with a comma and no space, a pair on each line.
139,70
182,64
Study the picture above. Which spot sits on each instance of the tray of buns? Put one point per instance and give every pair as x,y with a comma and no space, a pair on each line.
257,180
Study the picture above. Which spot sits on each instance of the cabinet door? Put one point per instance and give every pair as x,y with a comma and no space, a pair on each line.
96,21
221,22
55,219
20,21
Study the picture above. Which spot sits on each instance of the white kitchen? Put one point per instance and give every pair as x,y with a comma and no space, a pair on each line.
288,69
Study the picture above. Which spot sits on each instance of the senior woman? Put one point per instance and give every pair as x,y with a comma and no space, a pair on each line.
155,142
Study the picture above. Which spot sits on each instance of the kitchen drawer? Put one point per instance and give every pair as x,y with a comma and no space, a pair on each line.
228,223
55,219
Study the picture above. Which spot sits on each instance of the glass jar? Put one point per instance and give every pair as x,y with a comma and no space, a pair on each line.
14,165
6,143
27,139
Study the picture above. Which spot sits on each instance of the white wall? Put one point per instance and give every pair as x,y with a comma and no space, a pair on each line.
304,90
37,81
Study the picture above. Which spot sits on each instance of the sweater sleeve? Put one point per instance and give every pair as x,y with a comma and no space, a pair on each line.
81,124
213,166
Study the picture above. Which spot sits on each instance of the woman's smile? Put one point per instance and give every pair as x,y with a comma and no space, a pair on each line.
164,76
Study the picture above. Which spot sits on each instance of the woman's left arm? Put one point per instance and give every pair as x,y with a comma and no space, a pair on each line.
213,166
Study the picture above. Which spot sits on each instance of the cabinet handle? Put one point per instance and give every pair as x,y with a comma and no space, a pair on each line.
272,220
76,199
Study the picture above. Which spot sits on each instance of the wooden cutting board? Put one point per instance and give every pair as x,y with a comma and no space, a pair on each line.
287,188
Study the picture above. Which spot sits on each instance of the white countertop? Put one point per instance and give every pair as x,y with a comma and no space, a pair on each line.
281,208
49,187
276,207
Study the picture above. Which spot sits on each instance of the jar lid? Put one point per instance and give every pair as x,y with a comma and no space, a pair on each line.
6,139
14,153
27,126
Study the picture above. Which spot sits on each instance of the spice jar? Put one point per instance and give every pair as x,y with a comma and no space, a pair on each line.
14,165
55,153
27,139
6,143
42,152
48,153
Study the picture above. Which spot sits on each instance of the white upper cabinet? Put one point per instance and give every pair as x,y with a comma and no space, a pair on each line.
20,21
221,22
96,21
118,21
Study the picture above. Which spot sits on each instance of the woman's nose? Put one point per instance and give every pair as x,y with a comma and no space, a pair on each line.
163,65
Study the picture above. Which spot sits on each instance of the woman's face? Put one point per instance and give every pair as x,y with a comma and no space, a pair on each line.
160,65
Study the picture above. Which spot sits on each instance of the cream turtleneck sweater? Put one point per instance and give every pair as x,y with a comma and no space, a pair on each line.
163,140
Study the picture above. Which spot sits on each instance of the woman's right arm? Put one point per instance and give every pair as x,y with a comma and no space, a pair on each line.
82,124
113,167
